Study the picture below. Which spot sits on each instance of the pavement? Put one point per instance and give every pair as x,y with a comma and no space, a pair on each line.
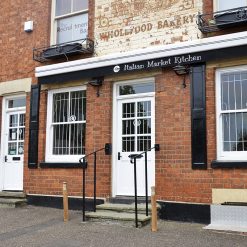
37,226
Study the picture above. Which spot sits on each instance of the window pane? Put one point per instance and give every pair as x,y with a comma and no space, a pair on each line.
80,5
238,95
22,120
230,4
234,131
128,127
13,120
17,103
144,109
245,131
144,126
232,127
226,131
61,134
136,88
224,95
20,148
21,134
63,7
12,148
13,134
239,131
77,106
77,139
60,107
231,102
143,143
128,144
128,110
72,28
234,91
244,90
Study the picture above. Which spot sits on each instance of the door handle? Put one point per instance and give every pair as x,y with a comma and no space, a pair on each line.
5,158
137,156
119,156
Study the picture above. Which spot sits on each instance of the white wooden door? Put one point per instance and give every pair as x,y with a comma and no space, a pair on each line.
13,150
135,134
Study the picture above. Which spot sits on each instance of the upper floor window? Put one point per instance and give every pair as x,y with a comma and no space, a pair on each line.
232,113
70,20
229,4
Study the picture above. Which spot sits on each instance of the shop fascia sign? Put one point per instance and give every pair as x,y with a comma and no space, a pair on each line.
158,63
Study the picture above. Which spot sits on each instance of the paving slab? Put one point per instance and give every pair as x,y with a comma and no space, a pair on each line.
12,194
12,202
125,207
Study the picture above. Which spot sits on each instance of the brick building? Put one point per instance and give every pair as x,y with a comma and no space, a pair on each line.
134,74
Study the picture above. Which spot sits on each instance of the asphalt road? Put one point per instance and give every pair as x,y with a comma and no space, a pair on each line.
37,226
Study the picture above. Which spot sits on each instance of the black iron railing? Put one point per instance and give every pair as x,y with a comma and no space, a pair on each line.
222,19
133,158
82,46
84,163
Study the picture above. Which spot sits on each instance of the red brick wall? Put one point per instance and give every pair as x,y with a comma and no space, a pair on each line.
15,44
98,132
175,179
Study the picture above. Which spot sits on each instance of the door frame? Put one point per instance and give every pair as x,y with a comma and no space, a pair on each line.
115,120
3,127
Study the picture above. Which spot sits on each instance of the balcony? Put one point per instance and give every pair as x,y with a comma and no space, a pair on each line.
222,19
64,50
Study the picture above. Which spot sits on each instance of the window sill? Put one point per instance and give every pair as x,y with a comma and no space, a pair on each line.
228,164
59,165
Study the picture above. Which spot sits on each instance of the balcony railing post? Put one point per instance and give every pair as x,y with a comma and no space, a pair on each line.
135,185
146,181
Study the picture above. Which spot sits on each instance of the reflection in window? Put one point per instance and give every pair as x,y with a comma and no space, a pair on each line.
230,4
136,88
19,102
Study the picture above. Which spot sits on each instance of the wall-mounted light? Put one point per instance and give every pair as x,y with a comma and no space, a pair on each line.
182,70
96,82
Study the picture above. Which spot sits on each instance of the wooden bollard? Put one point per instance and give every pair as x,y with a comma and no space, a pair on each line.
65,203
154,210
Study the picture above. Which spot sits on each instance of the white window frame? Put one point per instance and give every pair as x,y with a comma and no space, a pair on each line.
53,40
49,157
225,155
216,5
